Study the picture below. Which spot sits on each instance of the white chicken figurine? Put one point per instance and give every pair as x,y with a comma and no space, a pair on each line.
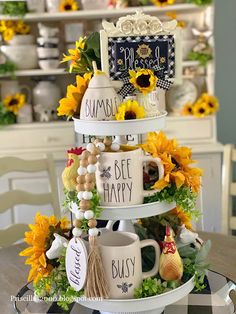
171,265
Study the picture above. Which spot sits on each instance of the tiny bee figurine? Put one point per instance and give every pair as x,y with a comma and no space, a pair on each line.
125,287
106,173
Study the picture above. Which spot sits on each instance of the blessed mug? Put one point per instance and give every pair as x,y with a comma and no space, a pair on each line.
119,177
122,261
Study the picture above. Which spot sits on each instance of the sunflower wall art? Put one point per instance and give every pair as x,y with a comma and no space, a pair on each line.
205,105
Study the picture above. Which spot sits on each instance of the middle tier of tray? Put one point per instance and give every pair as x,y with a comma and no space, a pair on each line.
136,211
124,127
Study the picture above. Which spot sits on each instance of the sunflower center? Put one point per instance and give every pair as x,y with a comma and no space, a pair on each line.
143,80
162,1
211,104
190,110
68,7
202,110
13,102
130,115
175,162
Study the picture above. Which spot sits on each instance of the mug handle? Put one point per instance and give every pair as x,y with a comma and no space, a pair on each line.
28,92
153,243
160,171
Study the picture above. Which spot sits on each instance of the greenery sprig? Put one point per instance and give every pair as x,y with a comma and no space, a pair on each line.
14,8
6,117
8,68
203,58
57,284
183,197
200,2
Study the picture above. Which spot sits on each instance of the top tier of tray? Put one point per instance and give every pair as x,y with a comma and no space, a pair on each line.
125,127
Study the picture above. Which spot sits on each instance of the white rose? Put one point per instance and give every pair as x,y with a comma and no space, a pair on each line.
141,27
126,27
155,27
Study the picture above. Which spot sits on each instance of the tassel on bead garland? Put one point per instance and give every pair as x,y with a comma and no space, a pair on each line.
96,286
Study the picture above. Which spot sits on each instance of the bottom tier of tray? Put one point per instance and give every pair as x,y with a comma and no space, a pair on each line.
151,305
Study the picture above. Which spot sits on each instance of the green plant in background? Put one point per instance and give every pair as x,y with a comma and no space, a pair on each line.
8,68
143,2
14,8
202,57
200,2
6,117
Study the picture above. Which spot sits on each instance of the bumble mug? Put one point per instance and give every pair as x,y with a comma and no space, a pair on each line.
119,176
122,261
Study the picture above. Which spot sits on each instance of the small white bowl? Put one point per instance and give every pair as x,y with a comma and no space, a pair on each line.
48,52
22,40
42,41
49,64
23,56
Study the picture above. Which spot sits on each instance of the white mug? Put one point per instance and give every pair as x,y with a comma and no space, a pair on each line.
122,261
119,177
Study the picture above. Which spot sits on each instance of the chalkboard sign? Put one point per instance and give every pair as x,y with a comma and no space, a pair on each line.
152,52
141,41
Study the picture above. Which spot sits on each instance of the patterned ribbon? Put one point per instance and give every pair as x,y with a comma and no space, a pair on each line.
128,88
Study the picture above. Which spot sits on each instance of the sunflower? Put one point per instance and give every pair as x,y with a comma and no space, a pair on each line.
144,51
130,110
143,80
184,218
13,103
22,28
68,5
8,34
75,54
211,101
187,110
162,3
71,103
201,109
4,25
39,240
176,161
173,16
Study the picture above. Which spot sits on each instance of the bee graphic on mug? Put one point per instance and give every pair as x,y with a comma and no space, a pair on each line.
105,173
125,286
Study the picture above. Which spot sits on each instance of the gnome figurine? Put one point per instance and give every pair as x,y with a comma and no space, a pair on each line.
171,265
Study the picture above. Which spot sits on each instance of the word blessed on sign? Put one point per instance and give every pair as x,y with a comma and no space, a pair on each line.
153,52
76,263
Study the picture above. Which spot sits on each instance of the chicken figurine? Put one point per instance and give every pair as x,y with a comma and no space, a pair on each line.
69,174
171,265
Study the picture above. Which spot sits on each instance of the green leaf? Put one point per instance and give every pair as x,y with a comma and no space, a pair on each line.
203,252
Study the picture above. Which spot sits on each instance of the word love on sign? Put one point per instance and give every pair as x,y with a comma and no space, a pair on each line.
76,263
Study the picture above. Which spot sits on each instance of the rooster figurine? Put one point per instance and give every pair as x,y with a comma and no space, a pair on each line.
171,265
69,174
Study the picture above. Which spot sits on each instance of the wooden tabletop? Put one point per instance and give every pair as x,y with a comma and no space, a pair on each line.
13,272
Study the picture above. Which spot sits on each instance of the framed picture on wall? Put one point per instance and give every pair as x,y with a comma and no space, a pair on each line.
141,41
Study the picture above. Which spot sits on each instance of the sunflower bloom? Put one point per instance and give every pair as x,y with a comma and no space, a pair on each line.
13,103
74,54
144,80
22,28
70,105
184,218
68,5
130,110
187,110
201,109
176,161
162,3
39,239
8,34
211,101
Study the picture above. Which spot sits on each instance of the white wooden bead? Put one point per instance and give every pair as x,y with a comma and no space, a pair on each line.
101,146
77,232
80,195
79,215
90,147
93,232
82,171
89,214
87,195
91,168
115,147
